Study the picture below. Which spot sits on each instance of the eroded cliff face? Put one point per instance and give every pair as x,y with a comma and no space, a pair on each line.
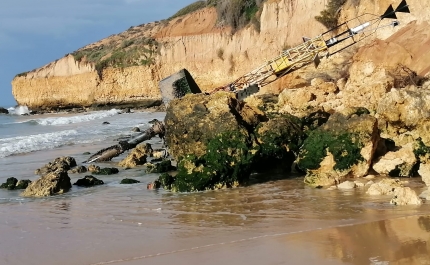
193,42
210,52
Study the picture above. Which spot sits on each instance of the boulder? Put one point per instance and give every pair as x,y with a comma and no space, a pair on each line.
279,139
405,196
88,181
61,163
106,171
405,115
78,170
129,181
10,184
93,168
22,184
53,183
347,185
384,187
137,156
398,163
161,167
3,111
195,119
343,147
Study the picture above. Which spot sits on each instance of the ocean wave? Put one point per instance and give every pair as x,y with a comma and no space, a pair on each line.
19,110
78,118
31,143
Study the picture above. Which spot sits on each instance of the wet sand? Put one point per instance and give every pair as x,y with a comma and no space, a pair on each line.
396,241
278,222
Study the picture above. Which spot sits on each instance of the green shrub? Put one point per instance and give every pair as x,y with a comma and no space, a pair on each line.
189,9
329,16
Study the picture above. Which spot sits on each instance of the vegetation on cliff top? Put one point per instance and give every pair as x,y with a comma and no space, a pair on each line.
330,15
233,13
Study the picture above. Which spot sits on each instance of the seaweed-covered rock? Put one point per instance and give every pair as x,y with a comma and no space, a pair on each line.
60,163
10,184
227,163
279,140
137,156
22,184
106,171
129,181
166,181
342,147
88,181
78,170
398,163
192,121
50,184
161,167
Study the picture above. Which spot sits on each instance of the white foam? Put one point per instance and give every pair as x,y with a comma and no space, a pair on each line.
25,144
19,110
78,118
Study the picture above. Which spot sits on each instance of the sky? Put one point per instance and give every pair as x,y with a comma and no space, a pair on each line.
34,33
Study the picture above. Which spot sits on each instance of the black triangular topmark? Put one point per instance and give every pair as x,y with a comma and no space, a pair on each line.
403,7
390,13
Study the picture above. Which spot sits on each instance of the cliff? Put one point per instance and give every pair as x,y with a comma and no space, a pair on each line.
213,54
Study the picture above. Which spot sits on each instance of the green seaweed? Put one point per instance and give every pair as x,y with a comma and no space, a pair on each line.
344,147
163,166
107,171
227,163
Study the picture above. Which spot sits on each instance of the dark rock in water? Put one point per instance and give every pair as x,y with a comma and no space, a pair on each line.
105,122
86,153
163,166
107,171
53,183
135,129
126,110
10,184
178,85
22,184
129,181
78,170
61,163
88,181
153,185
3,111
166,181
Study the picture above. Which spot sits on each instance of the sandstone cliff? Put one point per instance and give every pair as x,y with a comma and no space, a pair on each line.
212,53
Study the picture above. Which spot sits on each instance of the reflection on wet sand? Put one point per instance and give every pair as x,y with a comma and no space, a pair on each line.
395,241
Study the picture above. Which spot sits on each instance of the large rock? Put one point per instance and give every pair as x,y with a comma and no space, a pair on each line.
343,147
398,163
88,181
60,163
53,183
137,156
405,196
218,141
405,115
196,118
384,187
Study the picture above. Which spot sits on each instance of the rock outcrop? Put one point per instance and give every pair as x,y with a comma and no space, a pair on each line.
343,147
60,163
53,183
137,156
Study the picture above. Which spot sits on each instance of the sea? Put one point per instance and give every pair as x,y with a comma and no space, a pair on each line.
280,221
